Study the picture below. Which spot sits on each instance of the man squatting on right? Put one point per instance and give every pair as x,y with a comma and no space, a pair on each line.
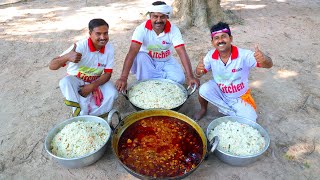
230,66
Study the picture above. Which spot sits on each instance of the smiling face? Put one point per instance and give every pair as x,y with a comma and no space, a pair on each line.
158,21
99,36
222,42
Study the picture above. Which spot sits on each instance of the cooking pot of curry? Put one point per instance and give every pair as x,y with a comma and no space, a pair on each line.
159,144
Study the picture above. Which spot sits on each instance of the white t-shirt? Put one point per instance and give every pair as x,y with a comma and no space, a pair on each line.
93,63
159,47
231,78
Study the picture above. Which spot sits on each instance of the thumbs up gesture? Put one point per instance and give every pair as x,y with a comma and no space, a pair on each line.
262,59
258,55
200,68
74,56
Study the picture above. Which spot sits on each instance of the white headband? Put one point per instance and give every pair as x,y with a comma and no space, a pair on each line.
225,30
164,9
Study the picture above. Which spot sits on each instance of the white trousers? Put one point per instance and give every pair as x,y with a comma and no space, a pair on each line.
70,85
226,105
144,67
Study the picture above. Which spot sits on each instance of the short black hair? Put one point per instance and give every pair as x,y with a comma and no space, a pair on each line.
219,26
96,23
158,3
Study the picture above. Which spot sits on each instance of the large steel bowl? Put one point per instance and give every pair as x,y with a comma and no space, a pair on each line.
234,159
88,158
185,91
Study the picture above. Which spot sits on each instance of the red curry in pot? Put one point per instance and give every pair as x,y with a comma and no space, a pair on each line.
160,146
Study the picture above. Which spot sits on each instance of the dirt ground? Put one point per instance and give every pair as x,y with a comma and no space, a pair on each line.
288,97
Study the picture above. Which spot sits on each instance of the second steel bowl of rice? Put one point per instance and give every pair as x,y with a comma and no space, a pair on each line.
158,93
240,140
79,141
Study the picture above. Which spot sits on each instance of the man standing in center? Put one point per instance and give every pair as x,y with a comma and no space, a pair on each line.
150,53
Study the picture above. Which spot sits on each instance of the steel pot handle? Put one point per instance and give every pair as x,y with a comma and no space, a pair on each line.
110,115
124,93
213,143
193,90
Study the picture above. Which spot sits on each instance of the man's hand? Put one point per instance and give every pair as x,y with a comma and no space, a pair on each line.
200,68
121,84
262,60
86,90
193,81
61,61
74,56
258,55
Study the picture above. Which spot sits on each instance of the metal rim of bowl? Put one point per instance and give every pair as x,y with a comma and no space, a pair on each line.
183,89
266,146
65,122
174,114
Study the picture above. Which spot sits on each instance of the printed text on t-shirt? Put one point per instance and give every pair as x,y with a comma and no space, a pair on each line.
231,88
162,54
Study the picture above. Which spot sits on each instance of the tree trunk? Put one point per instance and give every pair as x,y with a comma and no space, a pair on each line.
5,2
201,13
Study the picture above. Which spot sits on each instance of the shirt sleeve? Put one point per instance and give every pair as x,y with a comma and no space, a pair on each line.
68,50
206,61
250,60
176,37
110,60
78,49
138,35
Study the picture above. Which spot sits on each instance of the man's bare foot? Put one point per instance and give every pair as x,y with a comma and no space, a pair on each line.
199,114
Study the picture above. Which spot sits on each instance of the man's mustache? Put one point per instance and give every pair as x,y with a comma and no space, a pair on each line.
159,23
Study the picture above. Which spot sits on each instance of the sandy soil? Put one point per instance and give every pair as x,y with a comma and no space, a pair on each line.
287,96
